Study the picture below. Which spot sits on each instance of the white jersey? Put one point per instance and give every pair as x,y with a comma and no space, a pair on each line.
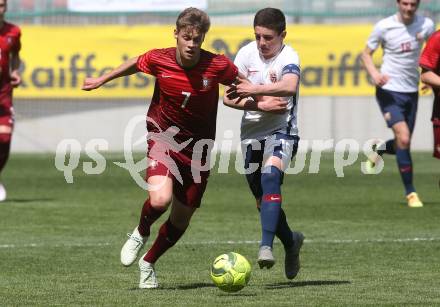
257,125
401,50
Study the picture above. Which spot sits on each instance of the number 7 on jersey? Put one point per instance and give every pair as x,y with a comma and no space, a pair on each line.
185,101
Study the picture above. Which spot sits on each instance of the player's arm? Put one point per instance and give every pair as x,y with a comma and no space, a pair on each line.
127,68
260,103
286,87
269,104
367,58
15,68
430,78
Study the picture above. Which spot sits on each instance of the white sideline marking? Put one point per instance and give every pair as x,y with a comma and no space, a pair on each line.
402,240
53,245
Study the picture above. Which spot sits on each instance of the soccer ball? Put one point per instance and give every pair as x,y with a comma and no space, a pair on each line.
230,272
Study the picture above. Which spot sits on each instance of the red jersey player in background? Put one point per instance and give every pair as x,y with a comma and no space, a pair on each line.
183,111
9,78
430,64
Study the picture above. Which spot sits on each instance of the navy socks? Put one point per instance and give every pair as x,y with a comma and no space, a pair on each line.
270,203
404,163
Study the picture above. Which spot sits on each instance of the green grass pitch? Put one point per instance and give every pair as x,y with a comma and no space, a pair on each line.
60,243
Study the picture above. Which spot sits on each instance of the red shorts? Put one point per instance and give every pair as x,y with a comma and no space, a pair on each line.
189,183
436,126
6,110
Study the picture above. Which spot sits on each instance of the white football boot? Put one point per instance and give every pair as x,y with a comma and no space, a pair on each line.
131,248
265,257
2,193
148,278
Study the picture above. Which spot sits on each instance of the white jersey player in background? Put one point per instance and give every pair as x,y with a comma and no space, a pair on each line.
401,37
269,139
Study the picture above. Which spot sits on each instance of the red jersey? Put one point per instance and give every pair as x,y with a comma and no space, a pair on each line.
9,43
430,60
186,98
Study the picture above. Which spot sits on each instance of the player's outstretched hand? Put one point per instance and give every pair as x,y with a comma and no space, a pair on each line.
15,79
277,105
91,84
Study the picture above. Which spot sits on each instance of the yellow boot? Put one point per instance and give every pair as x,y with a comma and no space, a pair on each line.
413,200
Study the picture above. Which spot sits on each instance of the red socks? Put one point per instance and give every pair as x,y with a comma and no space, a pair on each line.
5,145
167,237
148,216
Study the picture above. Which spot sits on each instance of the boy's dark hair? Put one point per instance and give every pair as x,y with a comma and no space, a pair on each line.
193,18
418,2
270,18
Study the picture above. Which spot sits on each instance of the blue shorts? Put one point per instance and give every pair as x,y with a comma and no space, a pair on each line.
278,145
397,107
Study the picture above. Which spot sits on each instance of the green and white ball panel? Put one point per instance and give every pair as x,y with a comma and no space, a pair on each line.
230,272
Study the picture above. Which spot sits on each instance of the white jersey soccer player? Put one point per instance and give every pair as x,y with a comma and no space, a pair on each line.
269,69
401,50
257,125
401,37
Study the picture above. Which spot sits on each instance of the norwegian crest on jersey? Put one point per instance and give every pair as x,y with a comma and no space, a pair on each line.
273,76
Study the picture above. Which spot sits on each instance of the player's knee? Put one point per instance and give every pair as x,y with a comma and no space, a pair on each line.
160,202
403,141
5,129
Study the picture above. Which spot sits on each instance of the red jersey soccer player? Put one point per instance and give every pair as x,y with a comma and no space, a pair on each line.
183,111
430,64
185,97
9,78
